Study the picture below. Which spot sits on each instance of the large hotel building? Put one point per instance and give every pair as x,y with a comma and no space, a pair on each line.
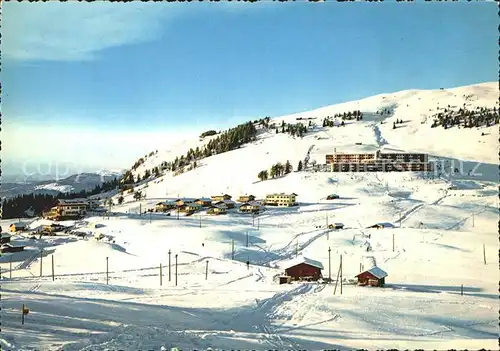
378,162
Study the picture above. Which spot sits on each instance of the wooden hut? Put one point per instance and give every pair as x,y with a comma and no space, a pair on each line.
372,277
303,268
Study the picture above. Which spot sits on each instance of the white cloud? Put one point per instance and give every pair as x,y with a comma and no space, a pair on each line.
76,31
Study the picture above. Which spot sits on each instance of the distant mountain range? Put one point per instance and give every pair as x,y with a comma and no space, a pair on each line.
73,183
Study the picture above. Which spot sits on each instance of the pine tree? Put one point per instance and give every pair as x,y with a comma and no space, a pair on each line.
262,175
299,166
288,167
120,199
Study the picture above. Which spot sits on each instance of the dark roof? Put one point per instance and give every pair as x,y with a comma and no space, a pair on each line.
205,199
20,224
186,199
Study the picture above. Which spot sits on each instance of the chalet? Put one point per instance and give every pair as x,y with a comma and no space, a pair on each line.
336,226
68,209
184,201
281,199
53,228
381,225
18,226
5,238
303,268
217,210
332,197
7,248
221,197
192,207
220,204
164,206
250,207
372,277
181,208
246,198
204,202
228,203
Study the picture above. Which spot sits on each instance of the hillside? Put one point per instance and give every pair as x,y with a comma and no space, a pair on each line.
238,169
439,247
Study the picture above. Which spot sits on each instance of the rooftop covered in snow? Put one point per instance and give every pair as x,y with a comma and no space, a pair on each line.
301,259
376,272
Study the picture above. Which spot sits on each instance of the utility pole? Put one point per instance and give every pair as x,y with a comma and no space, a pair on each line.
232,249
200,220
340,274
176,269
392,242
336,281
206,271
107,270
140,210
329,265
22,313
399,219
169,266
258,223
247,238
41,261
161,275
53,267
472,219
149,217
484,253
253,219
10,267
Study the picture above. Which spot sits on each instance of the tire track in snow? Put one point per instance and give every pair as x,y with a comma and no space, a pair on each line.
418,207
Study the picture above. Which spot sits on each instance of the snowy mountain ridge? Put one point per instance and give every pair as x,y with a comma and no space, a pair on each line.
414,107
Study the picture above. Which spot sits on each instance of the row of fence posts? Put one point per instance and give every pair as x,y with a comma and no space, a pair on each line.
206,266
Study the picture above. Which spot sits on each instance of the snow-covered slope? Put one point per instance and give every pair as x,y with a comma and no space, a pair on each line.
439,249
414,107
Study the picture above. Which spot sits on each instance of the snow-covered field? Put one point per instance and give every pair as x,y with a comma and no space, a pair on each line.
211,298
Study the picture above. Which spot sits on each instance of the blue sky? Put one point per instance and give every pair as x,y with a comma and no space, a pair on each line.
156,71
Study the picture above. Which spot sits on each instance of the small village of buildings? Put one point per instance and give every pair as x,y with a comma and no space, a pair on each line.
301,268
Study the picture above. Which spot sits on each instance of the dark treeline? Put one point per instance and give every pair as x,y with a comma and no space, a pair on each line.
228,140
277,170
480,117
345,116
294,130
31,205
222,142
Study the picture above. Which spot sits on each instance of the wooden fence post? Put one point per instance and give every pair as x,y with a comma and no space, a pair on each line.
161,275
206,271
